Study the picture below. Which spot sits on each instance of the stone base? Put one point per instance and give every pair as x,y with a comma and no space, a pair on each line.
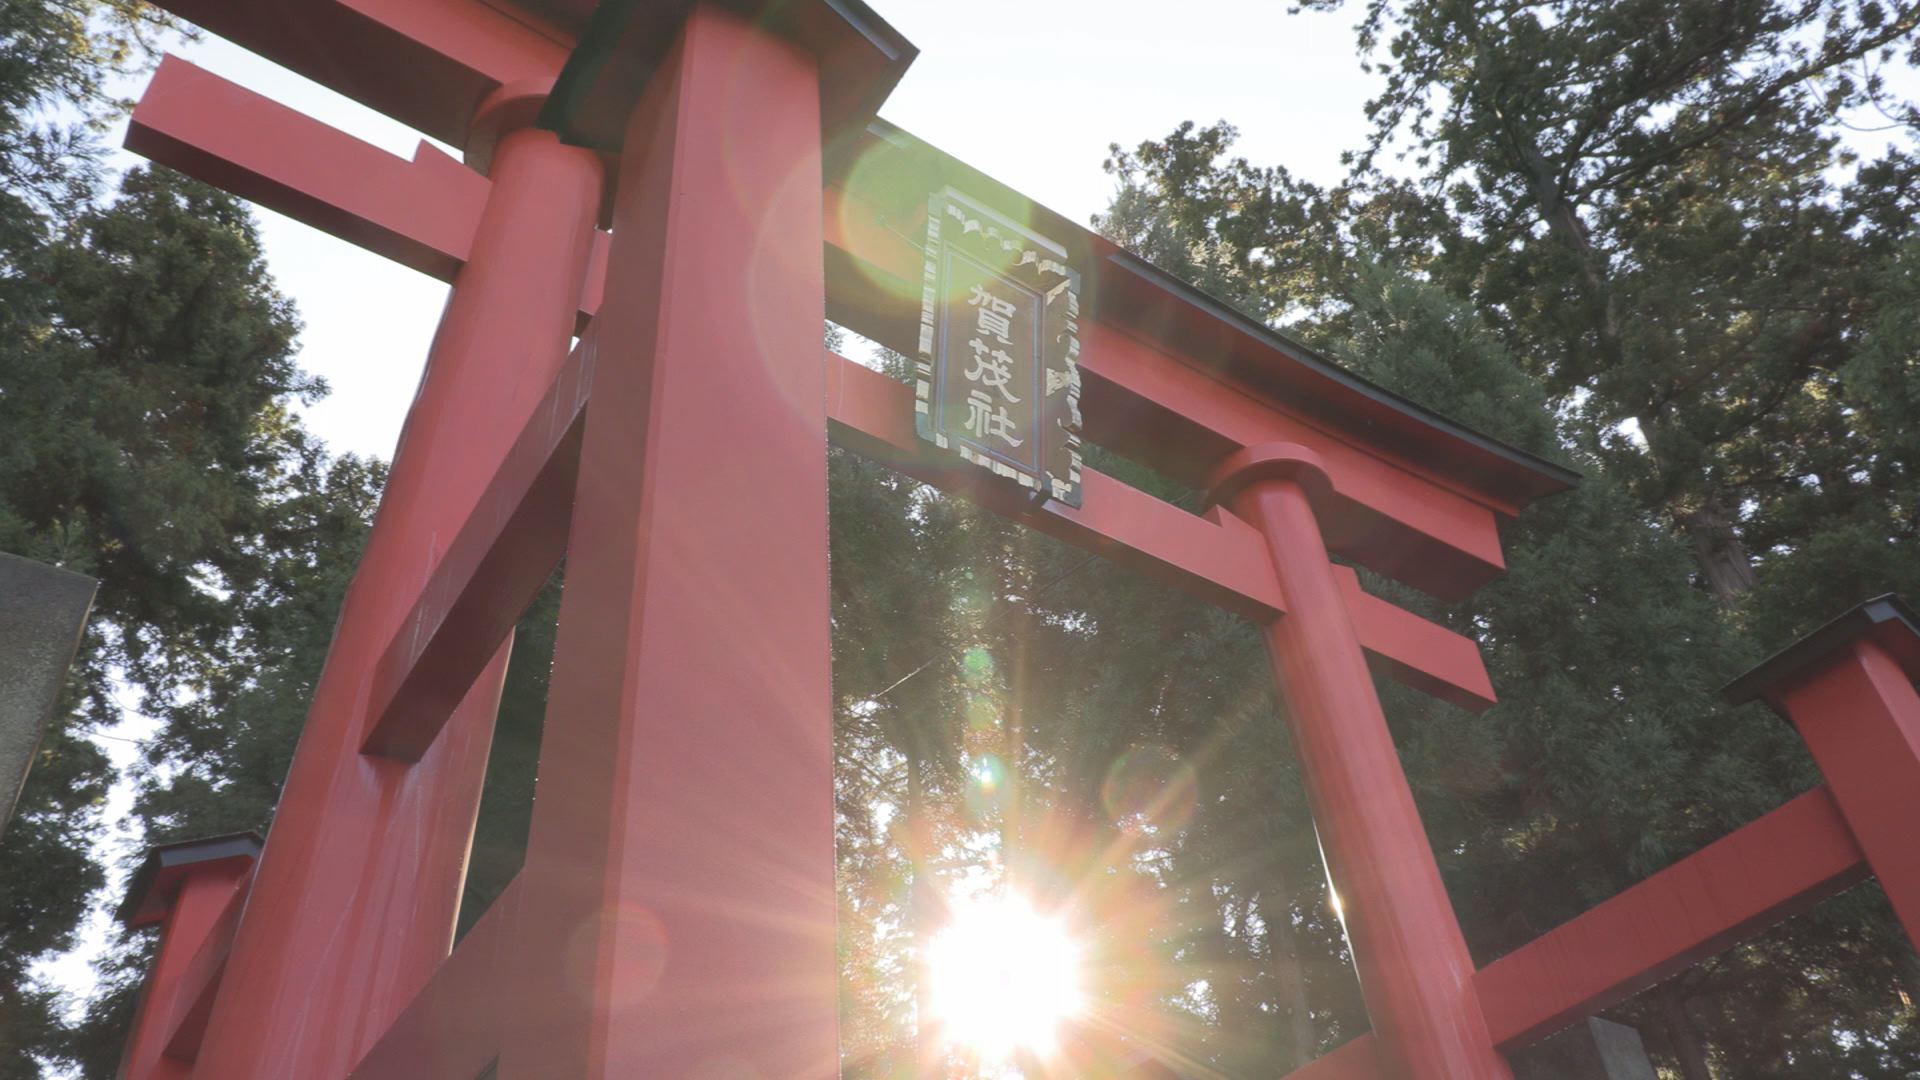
1595,1050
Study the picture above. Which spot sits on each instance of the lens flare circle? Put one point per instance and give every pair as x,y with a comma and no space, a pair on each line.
1004,978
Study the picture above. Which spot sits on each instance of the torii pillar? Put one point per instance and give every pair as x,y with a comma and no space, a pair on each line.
1852,690
371,849
675,913
678,913
1413,962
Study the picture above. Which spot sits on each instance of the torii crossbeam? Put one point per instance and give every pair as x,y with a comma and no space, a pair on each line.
675,913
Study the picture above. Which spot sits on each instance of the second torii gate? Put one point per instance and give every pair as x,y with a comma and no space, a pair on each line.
675,913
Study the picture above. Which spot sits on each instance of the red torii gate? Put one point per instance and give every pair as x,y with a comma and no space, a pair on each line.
675,912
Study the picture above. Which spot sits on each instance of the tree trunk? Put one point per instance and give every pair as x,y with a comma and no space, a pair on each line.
1906,966
1683,1036
1712,529
922,908
1289,980
1717,546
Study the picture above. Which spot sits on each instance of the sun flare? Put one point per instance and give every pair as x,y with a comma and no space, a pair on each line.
1004,978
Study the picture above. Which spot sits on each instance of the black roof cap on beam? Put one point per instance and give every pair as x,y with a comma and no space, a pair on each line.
1885,618
626,39
151,890
1534,476
862,58
1159,307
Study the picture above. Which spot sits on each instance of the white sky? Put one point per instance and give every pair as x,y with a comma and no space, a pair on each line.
984,87
991,77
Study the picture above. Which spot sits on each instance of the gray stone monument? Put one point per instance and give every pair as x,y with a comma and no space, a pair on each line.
43,610
1594,1049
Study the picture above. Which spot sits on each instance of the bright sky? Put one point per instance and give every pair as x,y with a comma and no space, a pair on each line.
990,76
983,88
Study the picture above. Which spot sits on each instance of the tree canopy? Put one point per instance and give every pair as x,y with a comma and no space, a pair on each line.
1632,238
147,387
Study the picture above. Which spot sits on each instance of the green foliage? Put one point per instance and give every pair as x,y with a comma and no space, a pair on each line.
150,445
1624,237
146,378
217,763
1627,237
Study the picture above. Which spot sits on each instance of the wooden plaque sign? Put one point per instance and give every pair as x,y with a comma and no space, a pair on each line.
997,378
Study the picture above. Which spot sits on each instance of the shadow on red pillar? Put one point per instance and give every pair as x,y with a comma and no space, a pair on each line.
1415,972
354,902
1848,688
192,891
676,911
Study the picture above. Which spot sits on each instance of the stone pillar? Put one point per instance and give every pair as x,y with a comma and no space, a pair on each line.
1594,1049
43,610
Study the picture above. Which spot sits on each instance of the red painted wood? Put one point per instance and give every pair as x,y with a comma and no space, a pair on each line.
1860,716
1356,1060
419,213
193,995
429,62
1218,558
1769,870
1143,401
500,557
1387,516
1452,532
504,552
453,1026
426,63
197,924
1433,537
1221,561
1149,404
1424,655
357,831
1415,972
353,904
677,914
876,208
